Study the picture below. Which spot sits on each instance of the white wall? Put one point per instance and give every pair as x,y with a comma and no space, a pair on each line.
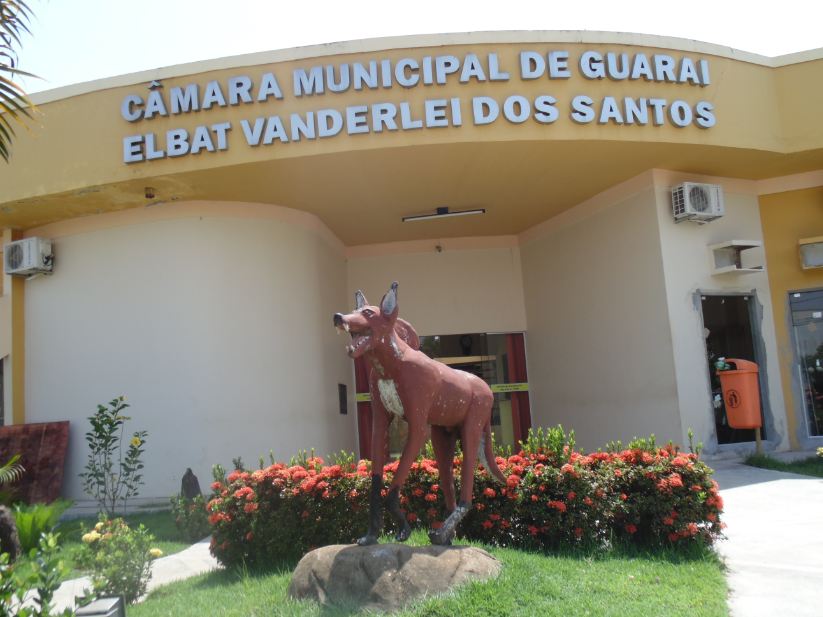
217,329
598,340
688,266
467,287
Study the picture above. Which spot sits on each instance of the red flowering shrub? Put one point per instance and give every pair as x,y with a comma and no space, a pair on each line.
664,496
554,496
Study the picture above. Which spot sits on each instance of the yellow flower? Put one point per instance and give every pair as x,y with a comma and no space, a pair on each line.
99,526
155,553
135,441
90,537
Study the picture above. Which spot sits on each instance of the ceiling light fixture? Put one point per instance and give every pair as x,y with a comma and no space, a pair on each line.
442,212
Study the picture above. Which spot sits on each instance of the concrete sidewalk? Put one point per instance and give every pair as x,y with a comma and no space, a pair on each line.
189,562
774,545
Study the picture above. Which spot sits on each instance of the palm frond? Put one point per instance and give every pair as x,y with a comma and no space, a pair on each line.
11,471
15,16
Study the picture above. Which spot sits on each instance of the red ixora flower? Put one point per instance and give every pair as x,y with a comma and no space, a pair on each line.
489,492
244,493
631,528
487,524
513,480
430,497
557,505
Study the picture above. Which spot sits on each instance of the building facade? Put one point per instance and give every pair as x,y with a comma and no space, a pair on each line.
208,219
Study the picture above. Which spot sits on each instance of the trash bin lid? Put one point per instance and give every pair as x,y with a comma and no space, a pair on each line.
743,366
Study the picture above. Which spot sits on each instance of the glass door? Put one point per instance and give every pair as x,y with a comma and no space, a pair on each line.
807,326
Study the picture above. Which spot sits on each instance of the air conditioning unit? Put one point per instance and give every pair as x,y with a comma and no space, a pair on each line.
28,256
811,252
695,202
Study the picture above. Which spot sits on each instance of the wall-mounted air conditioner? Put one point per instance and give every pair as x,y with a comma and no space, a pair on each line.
28,256
811,252
699,203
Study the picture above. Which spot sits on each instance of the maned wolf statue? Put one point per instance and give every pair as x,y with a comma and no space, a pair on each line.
405,382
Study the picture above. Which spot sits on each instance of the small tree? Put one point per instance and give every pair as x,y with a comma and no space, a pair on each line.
110,477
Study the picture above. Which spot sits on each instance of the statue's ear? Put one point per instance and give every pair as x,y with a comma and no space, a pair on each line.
388,306
359,300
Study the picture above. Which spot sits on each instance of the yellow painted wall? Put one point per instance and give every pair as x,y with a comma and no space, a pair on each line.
79,138
786,217
12,340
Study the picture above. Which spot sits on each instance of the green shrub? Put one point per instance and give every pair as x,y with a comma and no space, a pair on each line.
37,519
190,517
118,558
36,581
554,497
112,474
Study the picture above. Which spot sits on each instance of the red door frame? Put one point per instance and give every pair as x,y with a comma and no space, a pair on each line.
521,409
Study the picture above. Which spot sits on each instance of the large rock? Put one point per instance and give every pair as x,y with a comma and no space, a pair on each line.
386,576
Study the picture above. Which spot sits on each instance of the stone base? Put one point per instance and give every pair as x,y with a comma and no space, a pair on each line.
386,576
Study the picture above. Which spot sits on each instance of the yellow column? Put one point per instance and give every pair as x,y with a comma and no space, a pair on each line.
12,341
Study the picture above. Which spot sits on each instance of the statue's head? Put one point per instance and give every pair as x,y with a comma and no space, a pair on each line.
372,326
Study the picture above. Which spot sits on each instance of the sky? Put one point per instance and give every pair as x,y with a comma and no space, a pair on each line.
82,40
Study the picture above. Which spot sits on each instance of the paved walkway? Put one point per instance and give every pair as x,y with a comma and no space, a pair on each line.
774,545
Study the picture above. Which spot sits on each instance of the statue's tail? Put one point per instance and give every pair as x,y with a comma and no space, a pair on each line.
487,455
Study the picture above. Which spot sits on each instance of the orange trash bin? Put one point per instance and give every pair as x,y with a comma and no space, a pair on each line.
741,394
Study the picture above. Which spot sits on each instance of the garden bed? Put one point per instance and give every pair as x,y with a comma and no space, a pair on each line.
159,524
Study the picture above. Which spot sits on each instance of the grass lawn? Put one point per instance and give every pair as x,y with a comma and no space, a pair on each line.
619,583
161,524
812,466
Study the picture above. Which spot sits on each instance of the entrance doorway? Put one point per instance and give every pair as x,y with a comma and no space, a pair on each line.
807,325
727,327
498,359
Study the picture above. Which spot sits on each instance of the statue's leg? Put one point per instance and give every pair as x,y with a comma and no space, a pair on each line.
417,435
380,423
443,441
470,434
